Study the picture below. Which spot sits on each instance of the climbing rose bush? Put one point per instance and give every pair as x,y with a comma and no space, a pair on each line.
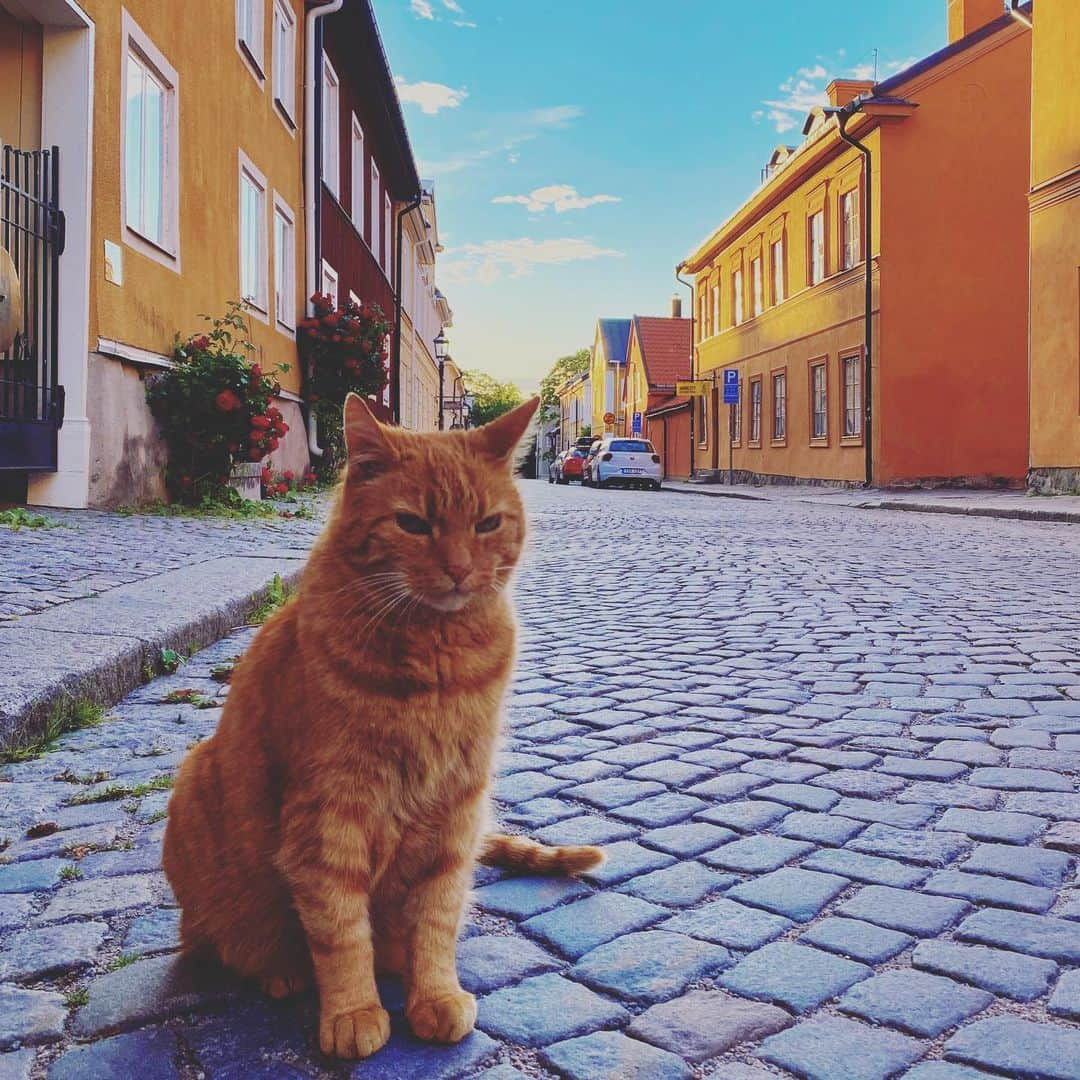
215,408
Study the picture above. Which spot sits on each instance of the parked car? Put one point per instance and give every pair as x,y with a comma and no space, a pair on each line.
566,466
615,461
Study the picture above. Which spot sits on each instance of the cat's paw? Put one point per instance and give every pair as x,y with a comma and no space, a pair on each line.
443,1019
356,1034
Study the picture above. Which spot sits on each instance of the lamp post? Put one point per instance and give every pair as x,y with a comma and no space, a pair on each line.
442,348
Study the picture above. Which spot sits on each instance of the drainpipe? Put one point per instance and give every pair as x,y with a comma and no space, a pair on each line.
689,285
395,369
312,172
842,116
1018,15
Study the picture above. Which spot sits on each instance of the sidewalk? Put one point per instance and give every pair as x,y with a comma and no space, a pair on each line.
88,604
998,504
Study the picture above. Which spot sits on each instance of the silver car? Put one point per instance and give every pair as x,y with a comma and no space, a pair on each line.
623,462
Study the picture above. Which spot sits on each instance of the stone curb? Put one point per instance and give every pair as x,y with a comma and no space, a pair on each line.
100,649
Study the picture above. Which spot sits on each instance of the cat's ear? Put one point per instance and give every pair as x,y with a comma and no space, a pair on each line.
501,437
368,449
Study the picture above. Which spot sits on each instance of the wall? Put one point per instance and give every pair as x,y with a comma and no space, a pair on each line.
20,83
1055,249
222,109
811,322
670,436
952,370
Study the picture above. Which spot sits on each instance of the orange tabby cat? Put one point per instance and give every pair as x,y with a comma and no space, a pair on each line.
331,825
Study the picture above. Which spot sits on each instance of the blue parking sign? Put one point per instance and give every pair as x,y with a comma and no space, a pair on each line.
636,423
731,386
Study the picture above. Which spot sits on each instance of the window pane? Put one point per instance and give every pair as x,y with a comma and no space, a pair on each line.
153,159
280,230
249,240
133,144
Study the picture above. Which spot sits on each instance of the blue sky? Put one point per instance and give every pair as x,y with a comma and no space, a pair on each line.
581,148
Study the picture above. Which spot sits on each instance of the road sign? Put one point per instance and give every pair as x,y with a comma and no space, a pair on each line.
731,386
692,389
609,418
636,424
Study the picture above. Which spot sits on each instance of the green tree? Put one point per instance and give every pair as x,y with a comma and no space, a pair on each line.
561,370
491,398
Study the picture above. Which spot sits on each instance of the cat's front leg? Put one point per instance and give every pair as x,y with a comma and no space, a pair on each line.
329,889
437,1008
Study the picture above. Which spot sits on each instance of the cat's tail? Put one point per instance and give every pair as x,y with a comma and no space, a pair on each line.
520,853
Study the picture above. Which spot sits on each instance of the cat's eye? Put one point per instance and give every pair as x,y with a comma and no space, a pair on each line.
489,524
413,525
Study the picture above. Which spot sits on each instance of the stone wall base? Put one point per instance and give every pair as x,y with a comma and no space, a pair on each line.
756,479
1054,481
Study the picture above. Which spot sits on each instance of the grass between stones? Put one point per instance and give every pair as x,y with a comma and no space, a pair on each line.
19,518
70,714
115,792
276,597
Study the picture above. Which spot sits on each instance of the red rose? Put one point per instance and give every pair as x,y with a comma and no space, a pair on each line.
258,422
200,342
227,401
329,320
282,489
256,371
186,481
288,474
282,428
273,444
255,454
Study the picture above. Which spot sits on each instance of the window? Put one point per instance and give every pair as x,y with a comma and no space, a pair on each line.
253,260
703,420
819,402
150,149
755,410
778,271
331,128
716,309
284,266
285,60
756,287
736,296
376,238
386,259
849,228
359,175
703,322
816,242
735,420
851,368
329,281
249,32
779,406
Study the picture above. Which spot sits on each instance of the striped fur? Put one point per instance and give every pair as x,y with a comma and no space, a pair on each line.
520,853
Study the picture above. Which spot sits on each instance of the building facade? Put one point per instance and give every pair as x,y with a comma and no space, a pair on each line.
607,372
575,409
1054,203
780,287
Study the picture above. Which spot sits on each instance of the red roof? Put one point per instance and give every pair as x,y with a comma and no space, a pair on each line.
668,405
665,348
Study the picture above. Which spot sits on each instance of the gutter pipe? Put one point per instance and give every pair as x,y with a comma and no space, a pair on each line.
1018,15
312,173
395,369
843,115
689,286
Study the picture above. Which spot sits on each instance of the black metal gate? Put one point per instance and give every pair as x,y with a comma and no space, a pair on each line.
32,231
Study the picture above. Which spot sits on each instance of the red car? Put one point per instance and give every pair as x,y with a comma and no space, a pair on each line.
567,466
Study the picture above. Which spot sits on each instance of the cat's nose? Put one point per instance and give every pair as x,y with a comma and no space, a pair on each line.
458,572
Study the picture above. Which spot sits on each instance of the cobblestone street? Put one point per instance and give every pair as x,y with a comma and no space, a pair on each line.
832,754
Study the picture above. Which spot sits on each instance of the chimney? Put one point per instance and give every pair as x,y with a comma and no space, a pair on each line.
967,16
676,307
841,91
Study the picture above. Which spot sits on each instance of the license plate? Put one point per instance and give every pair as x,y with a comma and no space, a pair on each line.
634,471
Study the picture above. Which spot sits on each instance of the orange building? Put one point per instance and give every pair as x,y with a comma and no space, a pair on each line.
1054,203
780,287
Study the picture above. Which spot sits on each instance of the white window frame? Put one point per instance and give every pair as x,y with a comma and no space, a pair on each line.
776,249
376,213
284,268
850,239
284,45
779,406
816,241
259,301
852,394
331,128
250,34
737,296
358,200
387,259
819,395
703,327
165,249
328,281
716,308
757,287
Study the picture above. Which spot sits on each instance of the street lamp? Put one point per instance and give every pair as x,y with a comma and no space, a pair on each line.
442,349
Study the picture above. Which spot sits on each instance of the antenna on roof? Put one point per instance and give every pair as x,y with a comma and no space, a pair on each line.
875,65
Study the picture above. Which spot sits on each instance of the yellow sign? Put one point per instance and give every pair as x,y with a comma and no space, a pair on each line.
691,389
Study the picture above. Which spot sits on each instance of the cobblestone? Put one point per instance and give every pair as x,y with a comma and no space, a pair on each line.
1022,978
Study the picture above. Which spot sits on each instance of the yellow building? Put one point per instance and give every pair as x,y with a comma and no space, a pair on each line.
575,409
189,126
780,286
607,372
1054,203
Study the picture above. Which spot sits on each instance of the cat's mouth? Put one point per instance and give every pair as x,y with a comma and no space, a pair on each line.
448,601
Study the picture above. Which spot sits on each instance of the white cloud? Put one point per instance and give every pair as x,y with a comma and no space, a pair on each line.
485,263
465,23
806,88
560,197
555,115
422,9
450,5
425,9
430,96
